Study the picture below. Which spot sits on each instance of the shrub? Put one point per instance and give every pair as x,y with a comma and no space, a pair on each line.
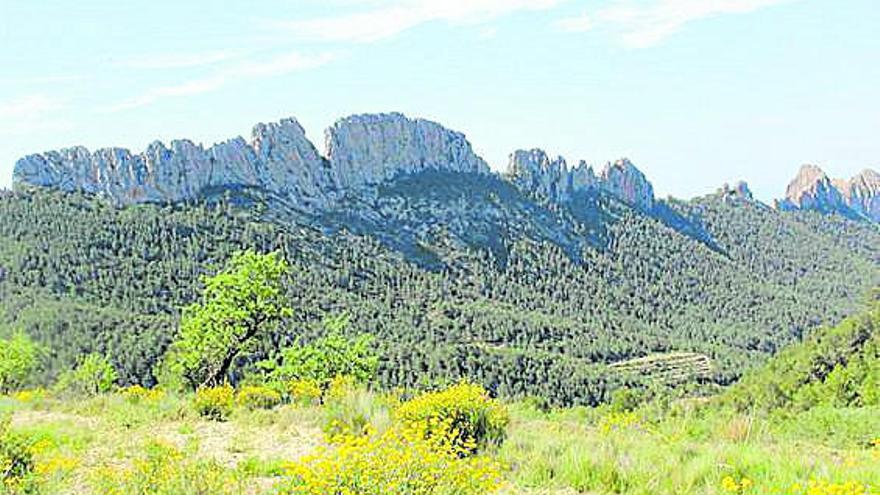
165,470
353,410
463,415
391,463
93,375
16,462
137,394
331,356
214,402
19,357
304,392
257,397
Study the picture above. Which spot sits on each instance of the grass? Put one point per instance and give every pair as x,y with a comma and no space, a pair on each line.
686,448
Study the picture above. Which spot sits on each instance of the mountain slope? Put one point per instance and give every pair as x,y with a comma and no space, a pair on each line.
837,366
534,282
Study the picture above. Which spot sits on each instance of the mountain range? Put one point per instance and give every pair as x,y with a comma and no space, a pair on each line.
541,280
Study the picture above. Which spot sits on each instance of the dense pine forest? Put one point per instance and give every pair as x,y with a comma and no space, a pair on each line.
727,279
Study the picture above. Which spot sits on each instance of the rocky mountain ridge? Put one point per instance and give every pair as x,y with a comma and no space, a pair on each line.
366,151
812,189
361,151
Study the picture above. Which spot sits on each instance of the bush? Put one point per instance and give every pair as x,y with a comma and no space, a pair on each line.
463,415
331,356
165,470
304,392
214,402
93,375
16,462
352,410
19,357
391,463
137,394
257,397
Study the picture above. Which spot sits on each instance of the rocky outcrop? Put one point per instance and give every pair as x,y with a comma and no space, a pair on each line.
278,159
812,189
370,149
862,194
740,190
362,150
534,172
628,183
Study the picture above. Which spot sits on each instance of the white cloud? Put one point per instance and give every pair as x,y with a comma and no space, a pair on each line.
179,60
642,24
184,89
30,113
395,17
28,107
576,24
280,65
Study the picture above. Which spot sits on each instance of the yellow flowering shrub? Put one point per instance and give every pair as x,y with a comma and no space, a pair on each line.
257,397
214,402
616,421
463,415
819,487
17,464
165,470
731,485
304,392
137,393
30,395
392,463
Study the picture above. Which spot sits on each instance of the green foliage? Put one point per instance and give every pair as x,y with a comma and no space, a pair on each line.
464,412
837,366
257,397
351,409
93,375
328,357
214,402
242,303
19,358
16,462
166,470
526,299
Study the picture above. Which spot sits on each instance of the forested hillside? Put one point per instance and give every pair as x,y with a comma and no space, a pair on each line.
837,366
501,297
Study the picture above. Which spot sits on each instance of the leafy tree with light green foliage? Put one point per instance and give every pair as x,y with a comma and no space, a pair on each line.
241,303
328,357
19,358
94,375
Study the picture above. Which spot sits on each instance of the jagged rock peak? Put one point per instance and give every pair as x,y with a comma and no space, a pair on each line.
862,194
372,148
533,171
628,183
812,189
739,190
279,159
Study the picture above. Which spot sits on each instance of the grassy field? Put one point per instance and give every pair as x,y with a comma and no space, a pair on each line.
687,447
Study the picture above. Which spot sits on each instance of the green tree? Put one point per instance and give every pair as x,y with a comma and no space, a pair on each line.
328,357
241,303
93,375
19,357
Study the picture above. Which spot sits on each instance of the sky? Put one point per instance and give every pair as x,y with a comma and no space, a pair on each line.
695,92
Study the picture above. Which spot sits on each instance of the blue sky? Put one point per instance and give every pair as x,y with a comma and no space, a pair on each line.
695,92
